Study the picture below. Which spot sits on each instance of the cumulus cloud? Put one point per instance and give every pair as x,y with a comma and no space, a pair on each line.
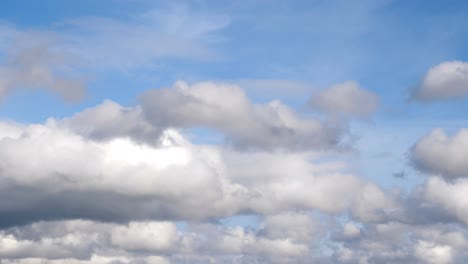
451,197
351,231
441,154
346,98
395,242
443,81
226,108
110,120
83,241
43,177
131,194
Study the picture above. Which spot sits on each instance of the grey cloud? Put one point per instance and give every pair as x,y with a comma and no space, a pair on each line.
33,61
438,153
346,98
110,120
395,242
82,241
443,81
246,125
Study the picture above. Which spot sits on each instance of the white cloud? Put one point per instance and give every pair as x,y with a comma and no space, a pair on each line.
438,153
351,231
139,184
346,98
443,81
395,242
449,196
125,180
431,253
92,242
150,236
295,226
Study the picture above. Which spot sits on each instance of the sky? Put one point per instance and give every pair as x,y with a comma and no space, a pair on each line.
233,131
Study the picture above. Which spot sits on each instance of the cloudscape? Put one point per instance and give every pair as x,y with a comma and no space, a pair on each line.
248,132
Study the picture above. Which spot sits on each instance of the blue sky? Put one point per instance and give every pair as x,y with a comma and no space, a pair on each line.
58,58
385,45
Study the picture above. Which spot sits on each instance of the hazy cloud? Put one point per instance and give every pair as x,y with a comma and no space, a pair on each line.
346,98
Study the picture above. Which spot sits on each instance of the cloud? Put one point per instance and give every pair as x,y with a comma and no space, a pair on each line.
83,241
395,242
443,81
272,89
227,109
141,41
43,178
33,61
110,120
61,58
438,153
450,197
433,253
351,231
346,98
131,195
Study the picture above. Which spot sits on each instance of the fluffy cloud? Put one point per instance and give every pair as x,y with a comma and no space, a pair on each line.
51,172
346,98
438,153
82,241
130,186
395,242
449,196
226,108
110,120
443,81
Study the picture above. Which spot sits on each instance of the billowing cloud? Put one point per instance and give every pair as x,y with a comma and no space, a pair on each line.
395,242
439,153
83,241
110,120
346,98
227,109
146,194
450,197
443,81
51,172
